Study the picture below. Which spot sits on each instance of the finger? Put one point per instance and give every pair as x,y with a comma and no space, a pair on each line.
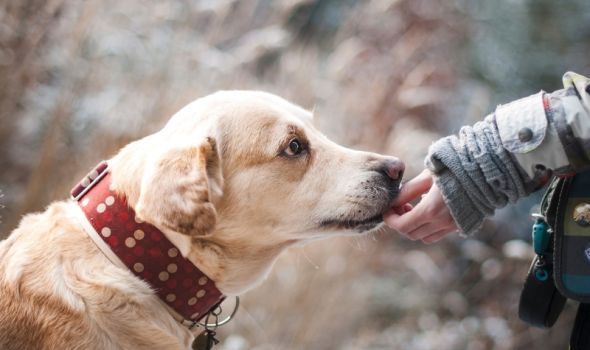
421,214
426,230
409,236
406,222
407,207
414,188
438,236
401,210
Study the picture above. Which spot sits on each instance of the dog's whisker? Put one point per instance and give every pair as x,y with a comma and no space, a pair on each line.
257,325
378,231
315,266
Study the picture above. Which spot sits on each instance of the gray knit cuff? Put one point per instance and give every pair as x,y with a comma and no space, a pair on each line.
462,209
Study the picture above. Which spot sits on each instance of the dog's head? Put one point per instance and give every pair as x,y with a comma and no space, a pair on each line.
246,174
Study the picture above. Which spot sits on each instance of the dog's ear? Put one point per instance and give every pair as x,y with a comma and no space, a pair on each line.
176,191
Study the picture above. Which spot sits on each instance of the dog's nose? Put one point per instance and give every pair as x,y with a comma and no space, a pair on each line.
394,168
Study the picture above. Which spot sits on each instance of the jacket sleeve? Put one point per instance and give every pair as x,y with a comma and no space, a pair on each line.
513,151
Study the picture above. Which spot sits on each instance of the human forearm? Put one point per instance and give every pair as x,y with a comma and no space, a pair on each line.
476,174
513,152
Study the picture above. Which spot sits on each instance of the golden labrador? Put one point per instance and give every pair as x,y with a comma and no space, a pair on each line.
231,181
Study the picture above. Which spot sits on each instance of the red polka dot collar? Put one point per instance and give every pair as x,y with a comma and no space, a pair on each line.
142,248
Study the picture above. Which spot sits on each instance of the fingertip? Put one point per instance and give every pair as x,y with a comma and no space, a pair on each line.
399,210
389,218
412,189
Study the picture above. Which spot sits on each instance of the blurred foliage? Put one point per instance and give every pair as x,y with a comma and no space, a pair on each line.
82,78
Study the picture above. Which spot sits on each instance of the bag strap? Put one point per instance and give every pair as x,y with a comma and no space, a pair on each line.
540,302
580,338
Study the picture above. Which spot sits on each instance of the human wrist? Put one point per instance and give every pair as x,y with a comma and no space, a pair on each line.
465,214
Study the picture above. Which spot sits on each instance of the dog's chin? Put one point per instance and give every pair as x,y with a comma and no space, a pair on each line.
358,225
368,223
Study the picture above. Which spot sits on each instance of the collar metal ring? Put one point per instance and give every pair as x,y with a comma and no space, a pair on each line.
225,320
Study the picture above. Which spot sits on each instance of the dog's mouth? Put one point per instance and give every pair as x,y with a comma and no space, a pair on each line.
361,225
369,215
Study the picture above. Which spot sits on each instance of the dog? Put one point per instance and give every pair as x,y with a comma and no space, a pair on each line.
231,181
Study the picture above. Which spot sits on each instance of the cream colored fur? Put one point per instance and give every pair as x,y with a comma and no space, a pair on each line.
219,182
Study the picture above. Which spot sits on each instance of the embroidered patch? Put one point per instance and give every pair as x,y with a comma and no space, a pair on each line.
582,214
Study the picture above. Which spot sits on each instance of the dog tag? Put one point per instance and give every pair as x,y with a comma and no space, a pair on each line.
205,341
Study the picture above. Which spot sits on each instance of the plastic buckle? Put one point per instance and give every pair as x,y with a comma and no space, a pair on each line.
540,234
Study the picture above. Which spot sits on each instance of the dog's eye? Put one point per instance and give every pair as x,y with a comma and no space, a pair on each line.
294,149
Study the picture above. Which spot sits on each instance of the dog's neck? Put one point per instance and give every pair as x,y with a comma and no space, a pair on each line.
236,264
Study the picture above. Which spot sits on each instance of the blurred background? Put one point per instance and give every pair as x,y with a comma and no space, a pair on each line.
79,79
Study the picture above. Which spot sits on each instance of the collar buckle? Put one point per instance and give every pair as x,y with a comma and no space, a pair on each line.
91,179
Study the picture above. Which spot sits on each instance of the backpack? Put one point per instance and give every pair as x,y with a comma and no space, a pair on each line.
561,267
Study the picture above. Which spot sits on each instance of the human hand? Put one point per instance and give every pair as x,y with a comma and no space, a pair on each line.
430,220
